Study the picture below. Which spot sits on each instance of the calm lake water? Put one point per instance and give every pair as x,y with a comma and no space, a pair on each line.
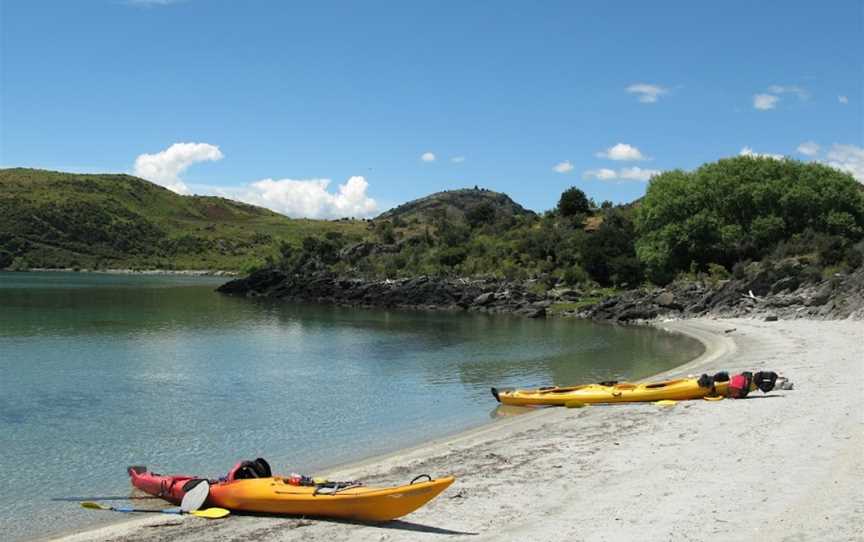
104,371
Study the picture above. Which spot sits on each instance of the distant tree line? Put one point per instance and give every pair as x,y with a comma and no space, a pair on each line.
722,215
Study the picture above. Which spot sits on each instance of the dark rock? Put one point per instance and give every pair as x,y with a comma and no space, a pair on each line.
484,299
822,295
785,284
771,318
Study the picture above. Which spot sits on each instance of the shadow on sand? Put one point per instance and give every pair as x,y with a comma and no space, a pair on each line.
396,524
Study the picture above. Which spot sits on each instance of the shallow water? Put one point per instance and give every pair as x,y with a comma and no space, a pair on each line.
104,371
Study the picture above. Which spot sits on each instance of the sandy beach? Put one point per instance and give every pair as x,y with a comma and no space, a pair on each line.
782,466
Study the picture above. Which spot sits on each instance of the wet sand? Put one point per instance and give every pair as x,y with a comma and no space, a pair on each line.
782,466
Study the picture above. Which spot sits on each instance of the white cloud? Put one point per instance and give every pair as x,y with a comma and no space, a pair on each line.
457,159
428,157
802,94
843,99
768,101
622,151
309,198
765,102
848,158
747,151
563,167
603,174
808,148
623,174
165,167
637,173
647,94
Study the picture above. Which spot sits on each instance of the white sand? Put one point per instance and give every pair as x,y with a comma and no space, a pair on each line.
785,466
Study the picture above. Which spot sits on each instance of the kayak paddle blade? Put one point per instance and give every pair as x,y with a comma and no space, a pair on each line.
195,497
95,506
210,513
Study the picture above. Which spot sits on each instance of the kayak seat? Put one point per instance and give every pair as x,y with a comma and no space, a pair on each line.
247,470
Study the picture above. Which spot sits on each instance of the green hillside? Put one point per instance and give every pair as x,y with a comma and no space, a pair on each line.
457,206
62,220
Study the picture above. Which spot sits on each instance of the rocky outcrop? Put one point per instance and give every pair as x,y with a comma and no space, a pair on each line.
788,293
425,293
788,297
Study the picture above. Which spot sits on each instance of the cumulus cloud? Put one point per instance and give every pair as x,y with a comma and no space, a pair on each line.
165,167
623,174
848,158
309,198
563,167
457,159
843,99
428,157
808,148
621,151
765,102
647,94
747,151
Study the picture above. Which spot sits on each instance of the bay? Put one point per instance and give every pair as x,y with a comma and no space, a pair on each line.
103,371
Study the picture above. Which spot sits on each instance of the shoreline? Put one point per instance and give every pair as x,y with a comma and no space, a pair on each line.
516,417
781,466
180,272
720,347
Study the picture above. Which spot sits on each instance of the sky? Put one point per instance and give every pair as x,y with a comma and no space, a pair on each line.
328,109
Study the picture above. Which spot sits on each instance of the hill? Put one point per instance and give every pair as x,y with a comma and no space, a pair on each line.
62,220
454,206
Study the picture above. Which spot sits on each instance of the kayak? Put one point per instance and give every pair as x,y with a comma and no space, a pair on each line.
612,392
276,495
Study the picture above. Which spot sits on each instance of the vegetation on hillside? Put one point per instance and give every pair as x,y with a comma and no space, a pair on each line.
712,221
62,220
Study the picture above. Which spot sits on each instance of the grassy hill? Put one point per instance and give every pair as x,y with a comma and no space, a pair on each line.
58,220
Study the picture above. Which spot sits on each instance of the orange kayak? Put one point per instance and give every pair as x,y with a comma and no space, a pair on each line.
275,495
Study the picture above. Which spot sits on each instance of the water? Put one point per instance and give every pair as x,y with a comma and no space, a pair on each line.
104,371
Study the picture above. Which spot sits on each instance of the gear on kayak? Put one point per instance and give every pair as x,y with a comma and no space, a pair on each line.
705,386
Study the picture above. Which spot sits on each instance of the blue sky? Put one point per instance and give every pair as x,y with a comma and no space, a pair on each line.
274,99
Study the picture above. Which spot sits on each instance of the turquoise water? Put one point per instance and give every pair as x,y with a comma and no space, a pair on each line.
104,371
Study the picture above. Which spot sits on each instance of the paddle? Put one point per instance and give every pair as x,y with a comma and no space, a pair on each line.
113,498
192,501
209,513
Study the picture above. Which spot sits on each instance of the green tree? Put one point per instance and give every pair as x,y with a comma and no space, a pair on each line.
573,202
742,208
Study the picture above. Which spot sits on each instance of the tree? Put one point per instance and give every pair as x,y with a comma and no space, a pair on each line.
742,208
573,202
608,254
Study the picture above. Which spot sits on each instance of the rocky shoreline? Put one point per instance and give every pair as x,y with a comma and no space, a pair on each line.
420,293
786,293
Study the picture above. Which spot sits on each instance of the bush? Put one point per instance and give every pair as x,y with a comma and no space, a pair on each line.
481,215
574,275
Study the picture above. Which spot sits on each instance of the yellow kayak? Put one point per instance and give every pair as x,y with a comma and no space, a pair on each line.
612,392
275,496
